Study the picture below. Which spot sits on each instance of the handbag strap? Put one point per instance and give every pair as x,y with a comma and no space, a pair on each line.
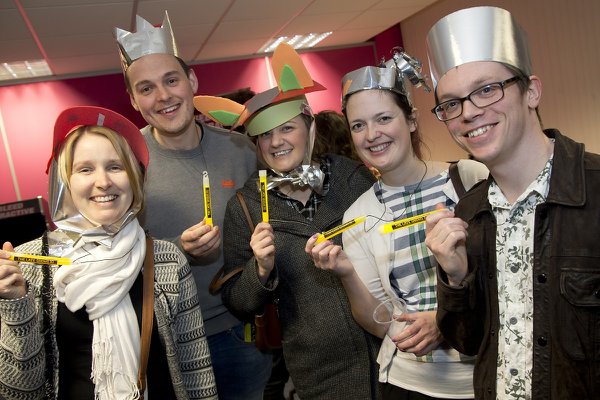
219,279
147,314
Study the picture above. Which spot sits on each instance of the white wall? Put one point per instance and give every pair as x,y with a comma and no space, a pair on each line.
564,38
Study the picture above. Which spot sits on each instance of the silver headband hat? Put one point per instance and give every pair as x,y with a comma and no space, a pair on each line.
395,75
477,34
147,39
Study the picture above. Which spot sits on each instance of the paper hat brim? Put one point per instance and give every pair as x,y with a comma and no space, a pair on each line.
75,117
367,78
399,74
219,109
274,115
477,34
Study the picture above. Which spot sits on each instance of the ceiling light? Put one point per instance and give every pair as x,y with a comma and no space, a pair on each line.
296,41
24,70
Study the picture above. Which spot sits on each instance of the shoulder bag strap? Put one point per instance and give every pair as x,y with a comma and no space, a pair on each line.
219,279
147,314
246,212
454,173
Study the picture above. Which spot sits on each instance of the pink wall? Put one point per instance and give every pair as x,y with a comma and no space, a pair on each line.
387,40
28,111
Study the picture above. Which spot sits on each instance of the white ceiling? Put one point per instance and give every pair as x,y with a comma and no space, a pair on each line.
75,37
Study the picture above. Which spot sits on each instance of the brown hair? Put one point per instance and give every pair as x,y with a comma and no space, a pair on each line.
402,102
333,135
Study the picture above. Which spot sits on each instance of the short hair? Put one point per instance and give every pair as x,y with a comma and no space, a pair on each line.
184,66
133,167
522,83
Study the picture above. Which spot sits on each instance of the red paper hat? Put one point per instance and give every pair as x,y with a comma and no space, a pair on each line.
75,117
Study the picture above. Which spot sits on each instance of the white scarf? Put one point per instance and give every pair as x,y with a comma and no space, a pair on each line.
100,277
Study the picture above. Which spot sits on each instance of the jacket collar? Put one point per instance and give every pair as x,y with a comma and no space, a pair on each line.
567,182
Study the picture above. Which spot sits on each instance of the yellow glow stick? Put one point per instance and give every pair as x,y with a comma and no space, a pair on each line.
406,222
264,199
35,259
207,202
339,229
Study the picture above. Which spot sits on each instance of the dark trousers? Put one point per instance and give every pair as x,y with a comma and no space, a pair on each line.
393,392
279,377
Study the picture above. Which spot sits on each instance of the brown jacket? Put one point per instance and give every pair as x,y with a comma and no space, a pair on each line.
566,283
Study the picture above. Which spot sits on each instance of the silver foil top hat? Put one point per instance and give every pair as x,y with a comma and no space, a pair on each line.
477,34
147,39
395,74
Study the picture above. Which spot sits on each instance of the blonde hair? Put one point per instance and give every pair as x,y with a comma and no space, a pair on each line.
135,171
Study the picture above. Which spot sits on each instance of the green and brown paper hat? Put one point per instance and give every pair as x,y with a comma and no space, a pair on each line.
272,107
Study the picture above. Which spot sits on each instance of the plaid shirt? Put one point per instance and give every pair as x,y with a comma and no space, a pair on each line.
309,210
413,272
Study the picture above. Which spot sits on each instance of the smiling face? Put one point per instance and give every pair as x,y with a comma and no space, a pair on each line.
283,148
380,130
494,133
163,93
99,184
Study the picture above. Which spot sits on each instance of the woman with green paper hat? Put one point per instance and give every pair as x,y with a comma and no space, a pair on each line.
327,354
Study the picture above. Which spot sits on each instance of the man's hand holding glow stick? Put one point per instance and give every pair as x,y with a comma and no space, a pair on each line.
207,199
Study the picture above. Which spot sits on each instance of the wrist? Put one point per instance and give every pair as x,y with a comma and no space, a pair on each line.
456,280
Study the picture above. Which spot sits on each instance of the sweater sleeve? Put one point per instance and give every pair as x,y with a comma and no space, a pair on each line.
192,346
356,246
22,354
244,295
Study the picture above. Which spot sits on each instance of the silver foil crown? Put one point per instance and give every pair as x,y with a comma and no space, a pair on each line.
395,75
147,39
477,34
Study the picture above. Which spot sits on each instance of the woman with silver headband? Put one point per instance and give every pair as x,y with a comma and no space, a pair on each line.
71,310
377,264
327,354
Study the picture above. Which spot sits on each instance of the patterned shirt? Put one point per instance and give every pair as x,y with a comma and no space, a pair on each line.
514,249
413,275
309,210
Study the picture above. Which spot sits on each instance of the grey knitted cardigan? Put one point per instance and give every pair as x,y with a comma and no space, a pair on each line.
329,356
29,356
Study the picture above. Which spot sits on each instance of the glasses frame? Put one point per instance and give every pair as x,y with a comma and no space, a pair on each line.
503,84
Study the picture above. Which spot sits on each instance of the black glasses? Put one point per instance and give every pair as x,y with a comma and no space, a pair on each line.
482,97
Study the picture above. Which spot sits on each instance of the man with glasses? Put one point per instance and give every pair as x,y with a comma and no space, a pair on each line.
519,283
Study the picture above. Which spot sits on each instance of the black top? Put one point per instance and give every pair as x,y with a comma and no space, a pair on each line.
74,332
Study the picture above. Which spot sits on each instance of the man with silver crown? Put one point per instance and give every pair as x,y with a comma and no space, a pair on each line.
519,279
161,87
